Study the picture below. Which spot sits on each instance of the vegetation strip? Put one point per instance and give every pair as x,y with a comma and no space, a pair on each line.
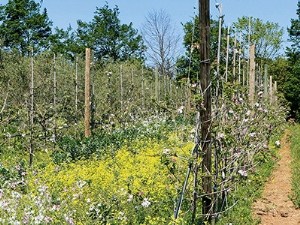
250,189
295,150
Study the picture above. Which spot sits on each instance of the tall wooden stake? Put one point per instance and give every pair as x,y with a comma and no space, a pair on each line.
31,114
219,6
87,112
271,90
234,58
266,82
227,54
205,108
76,85
275,93
252,75
121,87
54,99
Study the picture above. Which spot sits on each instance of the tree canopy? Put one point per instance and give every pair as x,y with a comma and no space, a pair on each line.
267,36
108,38
188,65
24,26
292,83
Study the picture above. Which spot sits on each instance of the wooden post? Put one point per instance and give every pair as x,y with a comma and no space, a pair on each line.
275,92
54,98
227,54
252,75
143,90
76,85
121,87
87,112
205,110
31,113
234,58
266,82
156,85
239,60
219,6
271,90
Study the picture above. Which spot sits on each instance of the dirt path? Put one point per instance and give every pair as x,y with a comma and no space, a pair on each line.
275,207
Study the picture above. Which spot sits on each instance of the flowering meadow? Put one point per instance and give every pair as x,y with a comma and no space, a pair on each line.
139,184
133,168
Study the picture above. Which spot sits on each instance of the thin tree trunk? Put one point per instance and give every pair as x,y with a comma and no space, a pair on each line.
87,114
252,75
31,150
54,98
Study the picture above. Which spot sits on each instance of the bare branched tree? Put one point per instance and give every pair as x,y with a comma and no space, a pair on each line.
161,40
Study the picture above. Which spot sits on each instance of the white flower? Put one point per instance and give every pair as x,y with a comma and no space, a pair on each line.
248,113
231,111
243,173
130,198
220,136
277,144
252,134
146,203
180,109
166,151
81,183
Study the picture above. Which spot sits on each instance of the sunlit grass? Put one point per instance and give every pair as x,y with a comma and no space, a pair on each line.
295,150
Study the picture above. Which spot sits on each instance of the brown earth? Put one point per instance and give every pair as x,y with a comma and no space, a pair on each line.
275,206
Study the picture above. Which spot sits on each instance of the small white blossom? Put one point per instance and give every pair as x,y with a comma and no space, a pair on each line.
130,198
146,203
166,151
220,136
180,109
243,173
277,143
252,134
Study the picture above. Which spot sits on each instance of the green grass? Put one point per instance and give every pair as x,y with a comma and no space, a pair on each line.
295,150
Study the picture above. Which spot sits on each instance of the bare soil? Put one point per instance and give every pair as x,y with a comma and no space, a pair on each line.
275,206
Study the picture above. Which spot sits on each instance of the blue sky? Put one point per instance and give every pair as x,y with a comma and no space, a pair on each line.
65,12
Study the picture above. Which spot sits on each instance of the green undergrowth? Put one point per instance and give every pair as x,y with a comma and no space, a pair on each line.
295,150
250,189
105,143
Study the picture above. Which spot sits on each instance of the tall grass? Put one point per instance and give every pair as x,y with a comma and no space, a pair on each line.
295,150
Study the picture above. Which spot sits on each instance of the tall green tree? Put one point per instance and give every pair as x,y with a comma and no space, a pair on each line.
267,36
294,32
108,38
24,26
292,83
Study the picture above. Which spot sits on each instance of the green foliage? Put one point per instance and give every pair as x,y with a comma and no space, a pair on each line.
108,37
267,36
104,143
292,83
129,188
293,52
189,63
23,27
295,151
